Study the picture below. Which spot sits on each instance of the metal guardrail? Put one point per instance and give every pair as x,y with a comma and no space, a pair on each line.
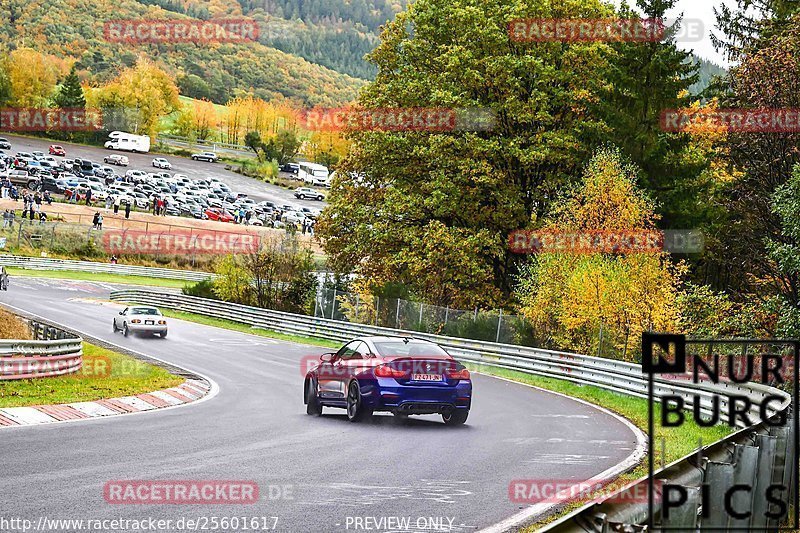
36,263
52,352
747,443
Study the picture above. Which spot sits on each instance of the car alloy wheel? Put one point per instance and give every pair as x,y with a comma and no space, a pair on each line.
356,411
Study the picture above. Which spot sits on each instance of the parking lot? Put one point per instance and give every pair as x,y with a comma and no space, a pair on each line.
239,185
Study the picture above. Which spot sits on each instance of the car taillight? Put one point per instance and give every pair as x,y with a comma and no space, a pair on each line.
385,371
136,321
162,322
458,374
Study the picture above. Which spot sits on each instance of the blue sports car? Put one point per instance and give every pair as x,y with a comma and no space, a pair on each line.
404,376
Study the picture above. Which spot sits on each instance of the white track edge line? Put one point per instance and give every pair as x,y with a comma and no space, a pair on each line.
537,510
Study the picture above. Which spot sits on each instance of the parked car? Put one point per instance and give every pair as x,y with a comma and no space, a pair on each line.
211,157
37,155
219,215
56,149
307,192
292,168
53,184
22,177
403,376
293,217
141,319
115,159
160,162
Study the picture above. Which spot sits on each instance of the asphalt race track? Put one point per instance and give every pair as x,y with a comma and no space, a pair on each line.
257,190
256,429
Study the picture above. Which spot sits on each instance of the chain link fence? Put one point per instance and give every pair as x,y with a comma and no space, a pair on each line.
396,313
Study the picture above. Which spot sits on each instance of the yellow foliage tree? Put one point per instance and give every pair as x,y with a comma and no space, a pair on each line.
138,97
598,303
33,76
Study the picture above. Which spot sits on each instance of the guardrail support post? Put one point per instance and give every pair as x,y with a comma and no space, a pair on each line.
718,478
744,473
767,445
685,516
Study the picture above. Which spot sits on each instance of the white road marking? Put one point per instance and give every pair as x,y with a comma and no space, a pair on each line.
565,459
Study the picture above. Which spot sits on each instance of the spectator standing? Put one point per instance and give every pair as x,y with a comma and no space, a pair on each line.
128,209
6,218
47,198
95,220
117,202
14,193
88,195
100,221
109,201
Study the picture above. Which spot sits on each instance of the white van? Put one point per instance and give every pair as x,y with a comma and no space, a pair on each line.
314,174
120,140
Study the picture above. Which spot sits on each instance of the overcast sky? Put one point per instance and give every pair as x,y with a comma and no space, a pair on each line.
696,13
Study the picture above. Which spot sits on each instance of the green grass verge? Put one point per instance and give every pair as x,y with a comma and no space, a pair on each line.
98,276
245,328
105,374
677,442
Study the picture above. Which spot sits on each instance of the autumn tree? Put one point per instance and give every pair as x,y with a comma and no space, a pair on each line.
137,98
463,191
766,78
599,303
32,77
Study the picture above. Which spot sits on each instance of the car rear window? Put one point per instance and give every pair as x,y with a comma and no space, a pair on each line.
144,311
400,348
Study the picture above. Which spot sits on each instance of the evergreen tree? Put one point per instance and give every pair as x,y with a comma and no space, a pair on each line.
70,94
649,78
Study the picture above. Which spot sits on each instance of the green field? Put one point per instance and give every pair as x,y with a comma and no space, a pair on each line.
105,374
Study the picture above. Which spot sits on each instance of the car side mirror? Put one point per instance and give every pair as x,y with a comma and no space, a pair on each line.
121,312
327,357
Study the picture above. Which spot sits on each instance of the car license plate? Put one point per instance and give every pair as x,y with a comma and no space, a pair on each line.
426,377
149,322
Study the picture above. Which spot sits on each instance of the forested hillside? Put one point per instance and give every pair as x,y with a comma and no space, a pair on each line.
220,71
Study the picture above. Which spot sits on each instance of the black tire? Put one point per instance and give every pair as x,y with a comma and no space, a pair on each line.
302,197
456,417
114,326
313,407
356,412
320,198
163,334
401,418
125,331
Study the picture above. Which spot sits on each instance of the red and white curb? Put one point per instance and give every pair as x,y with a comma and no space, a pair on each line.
190,391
